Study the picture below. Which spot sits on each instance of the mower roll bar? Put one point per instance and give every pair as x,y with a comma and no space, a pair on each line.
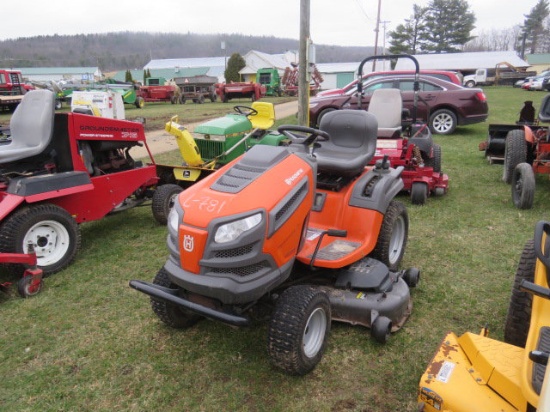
416,86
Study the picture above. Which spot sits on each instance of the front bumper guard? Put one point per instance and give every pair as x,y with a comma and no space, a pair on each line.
171,296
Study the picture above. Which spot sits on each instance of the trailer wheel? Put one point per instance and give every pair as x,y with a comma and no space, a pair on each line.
53,232
299,329
515,152
392,239
518,318
419,193
381,329
182,100
170,314
163,201
523,186
443,121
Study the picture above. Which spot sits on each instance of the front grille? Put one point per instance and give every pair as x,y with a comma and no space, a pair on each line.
233,253
241,271
209,149
290,204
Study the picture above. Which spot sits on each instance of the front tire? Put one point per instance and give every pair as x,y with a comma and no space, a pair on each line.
518,318
163,201
443,121
419,193
392,239
523,186
170,314
54,233
298,330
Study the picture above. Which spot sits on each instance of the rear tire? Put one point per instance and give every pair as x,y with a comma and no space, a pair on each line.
515,152
298,330
163,201
392,239
435,161
53,232
518,318
523,186
443,121
170,314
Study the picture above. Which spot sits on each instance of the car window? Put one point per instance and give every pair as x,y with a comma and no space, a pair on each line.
380,85
408,86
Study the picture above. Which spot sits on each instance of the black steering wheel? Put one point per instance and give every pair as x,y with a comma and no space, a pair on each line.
302,134
245,110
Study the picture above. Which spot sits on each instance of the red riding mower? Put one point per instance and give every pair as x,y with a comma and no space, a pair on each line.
527,154
405,141
306,231
58,170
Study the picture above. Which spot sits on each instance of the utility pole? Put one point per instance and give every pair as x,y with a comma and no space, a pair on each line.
303,66
376,30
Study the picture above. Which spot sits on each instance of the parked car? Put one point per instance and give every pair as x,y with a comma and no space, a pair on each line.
536,82
442,104
440,74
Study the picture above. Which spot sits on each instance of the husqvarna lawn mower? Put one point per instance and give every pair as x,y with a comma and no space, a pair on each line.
307,231
405,140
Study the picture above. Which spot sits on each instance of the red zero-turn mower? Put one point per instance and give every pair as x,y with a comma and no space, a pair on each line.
58,170
306,231
404,140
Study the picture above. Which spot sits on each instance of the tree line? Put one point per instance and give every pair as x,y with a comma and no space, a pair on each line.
445,26
133,50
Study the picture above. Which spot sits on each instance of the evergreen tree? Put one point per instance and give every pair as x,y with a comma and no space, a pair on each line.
235,63
448,25
533,31
128,77
406,37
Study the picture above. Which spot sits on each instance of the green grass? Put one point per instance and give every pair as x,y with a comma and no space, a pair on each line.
88,342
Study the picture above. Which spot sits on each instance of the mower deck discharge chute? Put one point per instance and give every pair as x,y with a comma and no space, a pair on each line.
305,231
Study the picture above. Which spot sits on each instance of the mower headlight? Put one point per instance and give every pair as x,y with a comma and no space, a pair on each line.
231,231
174,218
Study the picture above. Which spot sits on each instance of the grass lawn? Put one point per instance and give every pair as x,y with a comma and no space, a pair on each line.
88,342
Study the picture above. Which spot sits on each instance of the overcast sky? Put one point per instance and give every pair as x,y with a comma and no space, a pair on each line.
338,22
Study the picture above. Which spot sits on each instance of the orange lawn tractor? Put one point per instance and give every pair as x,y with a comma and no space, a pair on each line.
307,232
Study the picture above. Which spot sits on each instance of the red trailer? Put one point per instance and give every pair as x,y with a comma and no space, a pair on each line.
228,91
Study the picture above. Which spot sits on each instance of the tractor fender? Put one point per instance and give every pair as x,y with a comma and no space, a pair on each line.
9,203
424,143
377,188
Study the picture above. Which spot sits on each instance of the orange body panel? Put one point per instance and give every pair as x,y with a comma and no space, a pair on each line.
202,206
362,225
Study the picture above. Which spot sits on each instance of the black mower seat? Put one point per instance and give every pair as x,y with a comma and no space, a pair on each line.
387,106
351,145
31,126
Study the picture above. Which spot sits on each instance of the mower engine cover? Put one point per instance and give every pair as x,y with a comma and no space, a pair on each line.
234,235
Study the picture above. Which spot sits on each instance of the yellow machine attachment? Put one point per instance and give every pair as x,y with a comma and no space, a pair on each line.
475,373
188,148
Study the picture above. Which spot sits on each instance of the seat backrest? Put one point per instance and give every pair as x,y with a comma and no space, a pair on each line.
265,117
387,106
31,126
352,142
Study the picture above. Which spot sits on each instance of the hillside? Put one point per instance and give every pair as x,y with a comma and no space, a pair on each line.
129,50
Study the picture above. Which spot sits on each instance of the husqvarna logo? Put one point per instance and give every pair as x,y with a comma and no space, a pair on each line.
291,179
188,243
